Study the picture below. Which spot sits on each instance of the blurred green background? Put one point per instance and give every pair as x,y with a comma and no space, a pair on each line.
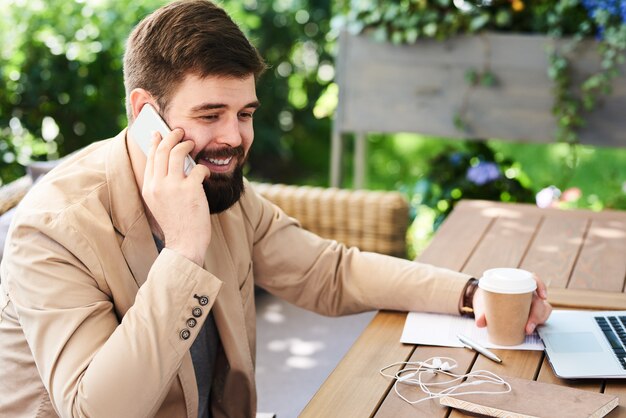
61,88
61,80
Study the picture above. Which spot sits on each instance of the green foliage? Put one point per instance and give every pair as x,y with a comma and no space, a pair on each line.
62,63
475,172
296,40
405,21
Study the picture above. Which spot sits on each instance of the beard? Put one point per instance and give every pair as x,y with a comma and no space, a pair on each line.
224,190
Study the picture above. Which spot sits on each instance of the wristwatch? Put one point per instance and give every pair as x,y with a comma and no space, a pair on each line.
466,306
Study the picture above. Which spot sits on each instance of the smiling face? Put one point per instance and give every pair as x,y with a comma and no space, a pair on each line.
216,114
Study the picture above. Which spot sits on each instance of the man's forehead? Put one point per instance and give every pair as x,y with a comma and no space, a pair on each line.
232,91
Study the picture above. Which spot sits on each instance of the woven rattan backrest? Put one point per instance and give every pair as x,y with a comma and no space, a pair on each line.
370,220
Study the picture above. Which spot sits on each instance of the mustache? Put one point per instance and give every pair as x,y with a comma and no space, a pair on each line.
221,153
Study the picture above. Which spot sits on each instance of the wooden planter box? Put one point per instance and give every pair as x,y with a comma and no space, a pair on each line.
421,87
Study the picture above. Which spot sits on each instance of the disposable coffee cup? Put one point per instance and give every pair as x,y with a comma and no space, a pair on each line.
507,294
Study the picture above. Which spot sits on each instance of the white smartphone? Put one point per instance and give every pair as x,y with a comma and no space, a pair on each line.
148,121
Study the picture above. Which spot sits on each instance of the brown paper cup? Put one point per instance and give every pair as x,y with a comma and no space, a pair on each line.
506,316
508,294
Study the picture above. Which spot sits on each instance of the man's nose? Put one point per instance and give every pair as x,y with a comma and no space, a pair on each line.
229,133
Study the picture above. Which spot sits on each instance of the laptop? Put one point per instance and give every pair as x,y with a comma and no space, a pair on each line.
586,344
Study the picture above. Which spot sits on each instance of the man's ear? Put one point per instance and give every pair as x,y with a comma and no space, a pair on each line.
139,97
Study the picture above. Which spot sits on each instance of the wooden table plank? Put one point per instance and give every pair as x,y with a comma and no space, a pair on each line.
555,249
350,390
520,209
601,263
456,238
504,245
587,299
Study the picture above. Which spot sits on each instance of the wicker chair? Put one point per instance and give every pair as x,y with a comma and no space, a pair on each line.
370,220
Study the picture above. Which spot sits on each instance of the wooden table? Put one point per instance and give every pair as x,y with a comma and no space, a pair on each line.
580,254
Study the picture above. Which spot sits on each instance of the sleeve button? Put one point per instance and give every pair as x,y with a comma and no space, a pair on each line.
197,312
191,322
202,300
185,334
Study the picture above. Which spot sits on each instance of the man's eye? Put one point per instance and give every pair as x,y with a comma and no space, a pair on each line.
209,117
245,115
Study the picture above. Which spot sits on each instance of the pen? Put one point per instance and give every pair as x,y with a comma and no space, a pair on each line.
478,348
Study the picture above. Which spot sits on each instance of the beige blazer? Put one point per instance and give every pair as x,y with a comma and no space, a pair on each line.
94,321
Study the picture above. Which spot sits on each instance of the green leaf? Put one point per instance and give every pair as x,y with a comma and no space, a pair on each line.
411,35
397,37
471,76
430,29
479,22
380,34
459,122
488,79
503,18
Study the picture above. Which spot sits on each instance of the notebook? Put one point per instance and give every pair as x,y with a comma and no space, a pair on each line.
586,344
530,399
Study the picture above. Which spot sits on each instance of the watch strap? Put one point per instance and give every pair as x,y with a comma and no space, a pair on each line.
466,306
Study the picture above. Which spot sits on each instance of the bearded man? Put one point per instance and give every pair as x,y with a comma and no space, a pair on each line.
128,287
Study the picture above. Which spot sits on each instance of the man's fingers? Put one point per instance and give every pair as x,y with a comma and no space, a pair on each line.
542,290
162,155
177,157
481,321
540,311
199,173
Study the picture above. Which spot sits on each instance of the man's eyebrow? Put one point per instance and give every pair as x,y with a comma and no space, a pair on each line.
212,106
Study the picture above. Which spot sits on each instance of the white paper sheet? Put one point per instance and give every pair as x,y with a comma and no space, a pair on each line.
441,329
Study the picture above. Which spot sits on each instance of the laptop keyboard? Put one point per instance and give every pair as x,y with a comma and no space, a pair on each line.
615,333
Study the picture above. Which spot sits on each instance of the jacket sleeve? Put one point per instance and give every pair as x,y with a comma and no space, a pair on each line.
324,276
92,364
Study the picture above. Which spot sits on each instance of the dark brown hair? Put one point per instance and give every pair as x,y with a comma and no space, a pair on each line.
181,38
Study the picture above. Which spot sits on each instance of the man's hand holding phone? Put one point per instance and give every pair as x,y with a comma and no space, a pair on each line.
177,202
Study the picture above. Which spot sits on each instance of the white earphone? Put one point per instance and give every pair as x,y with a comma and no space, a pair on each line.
412,374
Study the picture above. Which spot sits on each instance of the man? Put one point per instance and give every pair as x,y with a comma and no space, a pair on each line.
127,287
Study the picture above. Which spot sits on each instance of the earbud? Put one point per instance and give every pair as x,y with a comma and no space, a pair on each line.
436,364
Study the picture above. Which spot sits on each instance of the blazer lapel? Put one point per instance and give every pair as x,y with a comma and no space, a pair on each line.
127,212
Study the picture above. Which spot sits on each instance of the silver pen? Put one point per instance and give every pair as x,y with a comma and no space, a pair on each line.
471,344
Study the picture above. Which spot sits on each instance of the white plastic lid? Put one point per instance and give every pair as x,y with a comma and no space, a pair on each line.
507,280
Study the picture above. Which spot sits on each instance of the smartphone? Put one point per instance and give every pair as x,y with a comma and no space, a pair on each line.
148,121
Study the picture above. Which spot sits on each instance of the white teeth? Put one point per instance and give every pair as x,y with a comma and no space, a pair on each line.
218,161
